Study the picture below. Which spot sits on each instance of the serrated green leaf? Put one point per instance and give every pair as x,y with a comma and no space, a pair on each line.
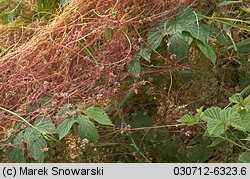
232,118
179,46
188,120
134,67
216,128
155,36
237,99
16,152
208,51
86,128
64,127
30,134
145,53
44,123
215,125
200,32
246,122
35,148
98,115
218,120
244,157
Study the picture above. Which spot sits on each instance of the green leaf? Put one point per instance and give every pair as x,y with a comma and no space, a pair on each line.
200,32
30,134
242,46
244,157
134,67
208,51
188,120
225,3
246,122
218,120
68,115
237,99
141,120
98,115
186,75
155,35
216,142
36,148
232,118
87,129
197,150
179,46
145,53
16,152
188,23
215,125
188,37
64,126
44,123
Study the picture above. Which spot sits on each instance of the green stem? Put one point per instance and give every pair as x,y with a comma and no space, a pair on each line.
135,146
45,134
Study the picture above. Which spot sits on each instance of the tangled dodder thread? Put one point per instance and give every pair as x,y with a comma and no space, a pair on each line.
79,56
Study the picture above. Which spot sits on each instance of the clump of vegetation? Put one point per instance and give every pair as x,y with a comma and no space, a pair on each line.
113,80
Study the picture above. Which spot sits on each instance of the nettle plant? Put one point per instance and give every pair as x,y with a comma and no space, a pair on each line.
230,124
31,140
180,32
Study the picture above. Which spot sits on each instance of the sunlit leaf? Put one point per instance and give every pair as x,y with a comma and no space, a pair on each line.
218,120
188,120
244,157
237,99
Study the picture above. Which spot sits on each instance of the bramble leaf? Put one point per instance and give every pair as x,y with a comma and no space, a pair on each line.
98,115
86,128
188,120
